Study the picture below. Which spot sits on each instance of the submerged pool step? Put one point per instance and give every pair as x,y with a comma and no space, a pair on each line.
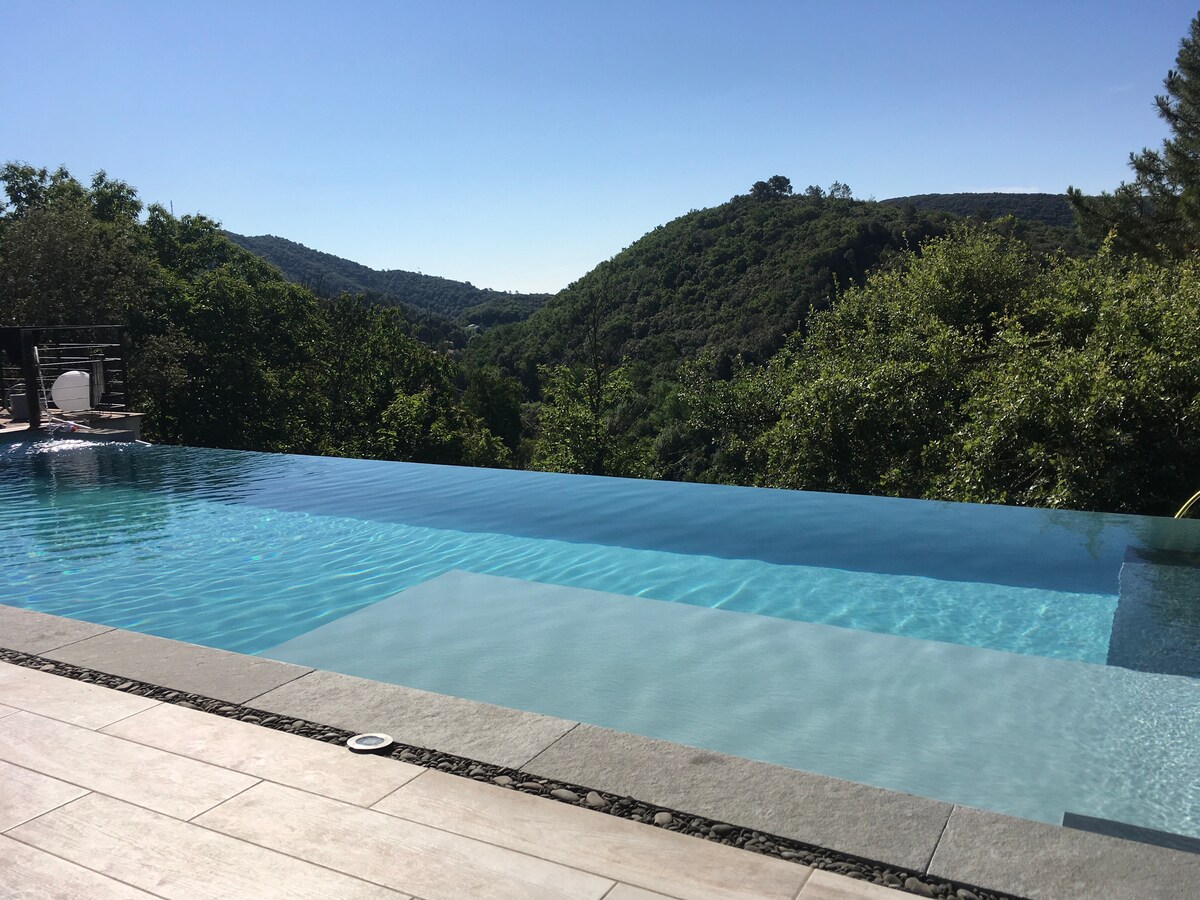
1156,626
1025,735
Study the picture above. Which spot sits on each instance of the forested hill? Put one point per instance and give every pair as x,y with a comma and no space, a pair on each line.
1051,209
734,280
327,275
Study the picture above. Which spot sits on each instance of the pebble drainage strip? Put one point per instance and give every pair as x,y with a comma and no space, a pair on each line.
514,779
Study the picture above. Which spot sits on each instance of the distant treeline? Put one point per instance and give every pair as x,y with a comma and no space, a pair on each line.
1049,209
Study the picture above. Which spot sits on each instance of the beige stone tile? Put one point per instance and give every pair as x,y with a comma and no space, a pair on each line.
65,699
432,864
6,710
629,892
25,794
615,848
175,859
27,873
327,769
146,776
828,886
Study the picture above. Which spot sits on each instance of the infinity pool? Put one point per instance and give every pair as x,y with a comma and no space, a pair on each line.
254,552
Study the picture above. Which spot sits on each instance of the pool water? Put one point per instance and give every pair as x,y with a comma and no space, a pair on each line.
242,551
251,552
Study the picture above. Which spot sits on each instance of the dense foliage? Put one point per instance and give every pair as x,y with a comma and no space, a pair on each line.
976,372
225,352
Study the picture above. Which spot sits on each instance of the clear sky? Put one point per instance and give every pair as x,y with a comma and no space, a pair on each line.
517,144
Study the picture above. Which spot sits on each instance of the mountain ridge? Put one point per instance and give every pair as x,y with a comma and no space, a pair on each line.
328,275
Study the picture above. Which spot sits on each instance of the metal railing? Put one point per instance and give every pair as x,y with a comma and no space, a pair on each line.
41,355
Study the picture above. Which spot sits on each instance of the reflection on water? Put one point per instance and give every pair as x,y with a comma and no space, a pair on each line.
68,503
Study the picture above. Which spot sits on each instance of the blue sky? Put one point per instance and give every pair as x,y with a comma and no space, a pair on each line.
515,145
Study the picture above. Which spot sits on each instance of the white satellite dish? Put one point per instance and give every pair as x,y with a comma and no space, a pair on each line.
72,391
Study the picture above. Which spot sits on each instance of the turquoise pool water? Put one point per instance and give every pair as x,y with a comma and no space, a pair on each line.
242,551
248,552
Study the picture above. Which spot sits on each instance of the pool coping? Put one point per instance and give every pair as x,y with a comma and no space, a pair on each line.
932,847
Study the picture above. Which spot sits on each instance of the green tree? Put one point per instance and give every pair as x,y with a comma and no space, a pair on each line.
774,188
1159,211
881,373
428,426
59,263
1091,397
839,191
720,415
584,423
497,399
977,371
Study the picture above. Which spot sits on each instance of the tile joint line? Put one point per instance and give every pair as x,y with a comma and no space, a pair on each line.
276,687
222,802
529,761
938,842
74,642
804,882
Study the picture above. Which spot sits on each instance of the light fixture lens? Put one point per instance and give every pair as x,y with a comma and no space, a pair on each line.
369,743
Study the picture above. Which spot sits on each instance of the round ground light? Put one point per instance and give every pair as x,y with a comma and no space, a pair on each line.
369,743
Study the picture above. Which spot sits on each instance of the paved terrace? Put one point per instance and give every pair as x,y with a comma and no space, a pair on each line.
107,793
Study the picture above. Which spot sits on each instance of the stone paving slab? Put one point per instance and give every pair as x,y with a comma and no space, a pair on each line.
629,892
86,705
651,858
1046,862
26,794
426,862
1001,853
181,861
35,632
494,734
27,872
507,843
326,769
185,667
827,886
175,785
852,818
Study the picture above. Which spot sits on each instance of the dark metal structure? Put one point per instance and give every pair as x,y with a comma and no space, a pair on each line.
32,358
